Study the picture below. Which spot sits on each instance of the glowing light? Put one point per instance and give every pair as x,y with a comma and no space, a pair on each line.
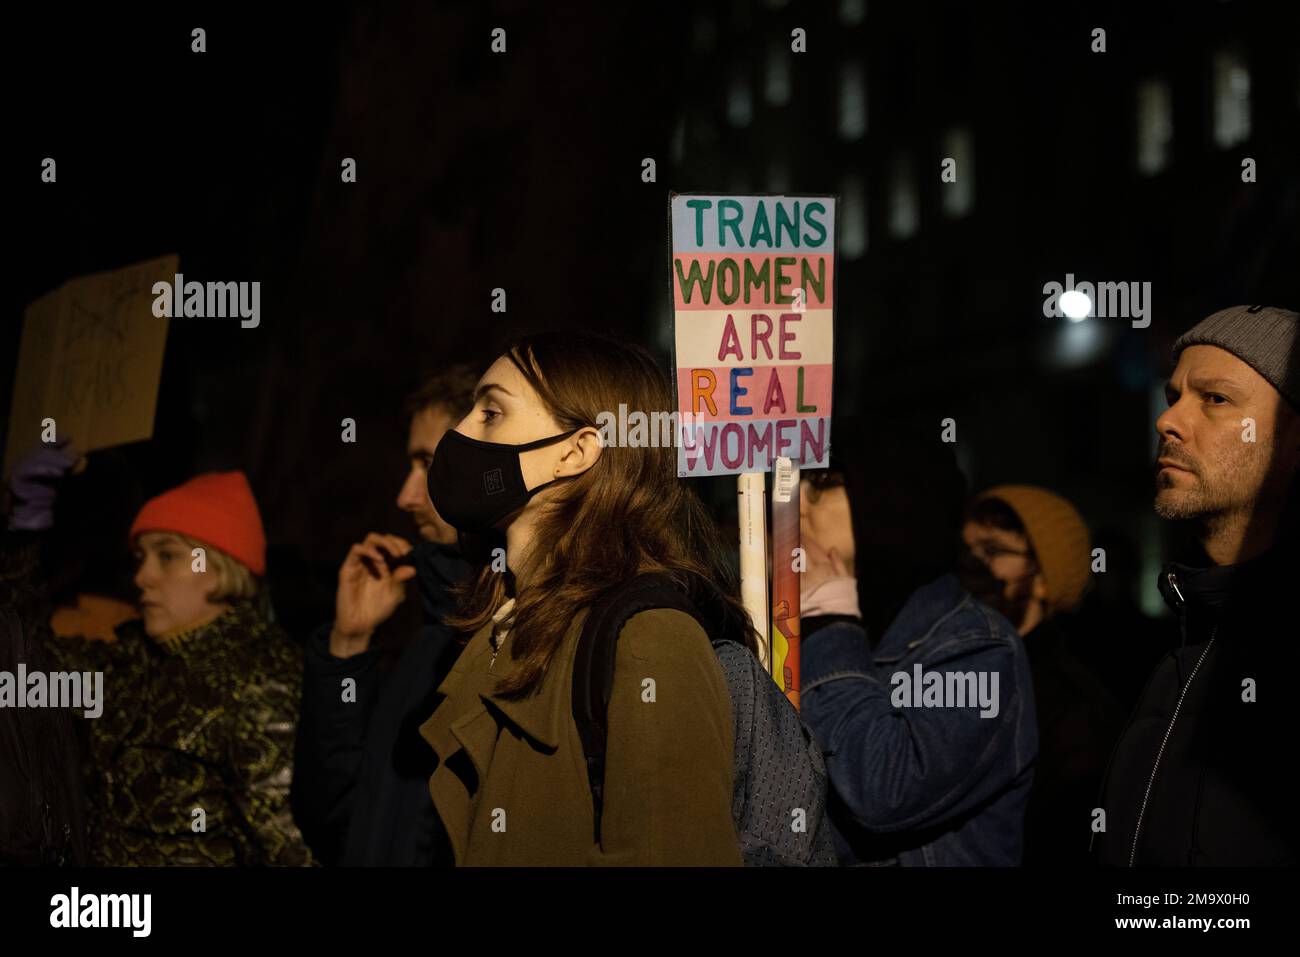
1075,305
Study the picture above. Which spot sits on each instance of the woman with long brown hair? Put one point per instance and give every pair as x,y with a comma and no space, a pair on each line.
571,518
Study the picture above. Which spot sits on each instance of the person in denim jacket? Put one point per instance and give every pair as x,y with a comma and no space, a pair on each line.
934,772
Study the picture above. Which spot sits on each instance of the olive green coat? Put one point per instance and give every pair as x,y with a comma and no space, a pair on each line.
511,784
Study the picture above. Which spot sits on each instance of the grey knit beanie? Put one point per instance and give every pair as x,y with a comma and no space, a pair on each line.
1266,338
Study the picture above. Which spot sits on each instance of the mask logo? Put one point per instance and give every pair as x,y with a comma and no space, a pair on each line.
493,482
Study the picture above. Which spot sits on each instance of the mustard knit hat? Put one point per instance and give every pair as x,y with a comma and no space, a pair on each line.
1058,536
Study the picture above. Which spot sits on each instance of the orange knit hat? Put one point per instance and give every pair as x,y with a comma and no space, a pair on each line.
1058,536
216,508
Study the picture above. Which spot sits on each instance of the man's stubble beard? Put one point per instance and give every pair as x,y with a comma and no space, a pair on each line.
1178,505
1204,502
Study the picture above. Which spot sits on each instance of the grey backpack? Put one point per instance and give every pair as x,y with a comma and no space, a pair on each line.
779,801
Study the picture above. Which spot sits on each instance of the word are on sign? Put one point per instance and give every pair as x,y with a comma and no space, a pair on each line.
753,324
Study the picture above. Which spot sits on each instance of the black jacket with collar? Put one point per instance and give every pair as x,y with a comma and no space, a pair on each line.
361,777
1204,774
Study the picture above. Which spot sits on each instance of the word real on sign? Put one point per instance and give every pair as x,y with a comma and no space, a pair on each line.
753,315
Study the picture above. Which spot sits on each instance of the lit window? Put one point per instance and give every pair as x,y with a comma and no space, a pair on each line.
1231,99
853,217
853,102
740,109
853,12
777,87
959,195
1155,126
904,208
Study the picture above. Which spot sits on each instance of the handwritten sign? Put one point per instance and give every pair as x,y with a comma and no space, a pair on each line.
91,359
753,316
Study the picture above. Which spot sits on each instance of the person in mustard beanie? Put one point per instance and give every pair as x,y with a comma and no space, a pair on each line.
1036,544
189,758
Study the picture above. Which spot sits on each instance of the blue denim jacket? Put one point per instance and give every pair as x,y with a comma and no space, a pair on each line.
923,786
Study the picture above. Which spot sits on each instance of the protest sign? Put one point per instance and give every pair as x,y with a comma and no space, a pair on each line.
753,320
90,359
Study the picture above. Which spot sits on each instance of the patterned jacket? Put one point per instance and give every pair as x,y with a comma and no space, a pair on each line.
191,759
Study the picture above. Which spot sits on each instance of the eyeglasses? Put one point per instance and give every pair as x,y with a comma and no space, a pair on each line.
989,551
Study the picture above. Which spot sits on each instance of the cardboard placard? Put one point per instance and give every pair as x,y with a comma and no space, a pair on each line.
91,359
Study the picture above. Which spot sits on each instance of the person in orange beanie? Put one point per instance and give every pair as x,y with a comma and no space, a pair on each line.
200,546
190,756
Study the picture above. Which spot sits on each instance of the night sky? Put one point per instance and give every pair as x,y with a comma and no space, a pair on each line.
523,171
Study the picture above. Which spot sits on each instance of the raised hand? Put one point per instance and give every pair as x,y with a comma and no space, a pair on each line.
370,589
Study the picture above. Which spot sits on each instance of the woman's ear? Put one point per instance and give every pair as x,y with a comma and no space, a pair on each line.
581,452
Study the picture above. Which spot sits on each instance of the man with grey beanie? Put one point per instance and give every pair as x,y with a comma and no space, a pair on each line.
1204,774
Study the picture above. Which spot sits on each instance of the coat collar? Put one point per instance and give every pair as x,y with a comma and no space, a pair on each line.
238,620
1203,597
922,614
541,715
470,717
1222,588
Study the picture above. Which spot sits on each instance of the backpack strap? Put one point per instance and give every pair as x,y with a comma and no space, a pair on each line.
593,666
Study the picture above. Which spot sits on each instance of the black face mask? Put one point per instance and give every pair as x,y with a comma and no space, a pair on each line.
474,485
